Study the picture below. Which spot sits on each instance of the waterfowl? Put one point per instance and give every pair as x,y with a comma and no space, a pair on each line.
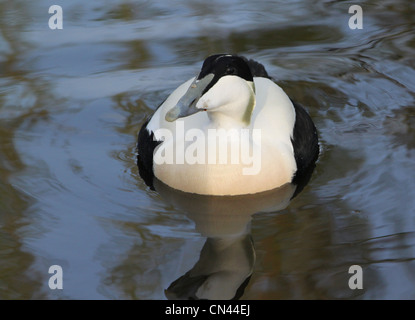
231,130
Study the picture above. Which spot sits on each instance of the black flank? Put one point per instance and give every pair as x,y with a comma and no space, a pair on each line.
305,143
145,149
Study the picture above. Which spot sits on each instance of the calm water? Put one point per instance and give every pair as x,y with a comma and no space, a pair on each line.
73,100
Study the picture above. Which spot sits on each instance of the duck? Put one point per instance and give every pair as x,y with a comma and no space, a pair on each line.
230,130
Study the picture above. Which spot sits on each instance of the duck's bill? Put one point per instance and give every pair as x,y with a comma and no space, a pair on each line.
186,106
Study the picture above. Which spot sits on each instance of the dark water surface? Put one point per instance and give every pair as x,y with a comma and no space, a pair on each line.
73,100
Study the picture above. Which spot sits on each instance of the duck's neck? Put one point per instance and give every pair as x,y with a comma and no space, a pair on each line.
236,114
219,120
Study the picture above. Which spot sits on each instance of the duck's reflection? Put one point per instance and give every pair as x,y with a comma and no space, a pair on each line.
227,258
222,271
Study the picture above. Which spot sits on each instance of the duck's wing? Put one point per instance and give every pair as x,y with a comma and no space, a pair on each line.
148,139
305,143
146,143
305,138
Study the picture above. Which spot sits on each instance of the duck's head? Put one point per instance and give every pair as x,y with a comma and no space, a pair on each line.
224,88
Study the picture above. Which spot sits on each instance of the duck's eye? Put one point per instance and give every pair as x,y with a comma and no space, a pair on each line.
230,70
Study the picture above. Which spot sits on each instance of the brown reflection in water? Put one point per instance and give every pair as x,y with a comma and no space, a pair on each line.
15,283
18,277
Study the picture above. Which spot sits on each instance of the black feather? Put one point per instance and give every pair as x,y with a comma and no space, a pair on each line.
146,143
257,69
305,143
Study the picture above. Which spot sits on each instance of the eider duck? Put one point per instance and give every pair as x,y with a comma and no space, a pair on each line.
231,130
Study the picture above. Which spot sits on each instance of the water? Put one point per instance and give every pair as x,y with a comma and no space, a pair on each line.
73,100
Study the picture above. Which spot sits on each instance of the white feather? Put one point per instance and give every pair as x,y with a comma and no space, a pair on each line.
273,116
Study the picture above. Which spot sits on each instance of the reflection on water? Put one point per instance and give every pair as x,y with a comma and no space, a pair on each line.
227,258
71,104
